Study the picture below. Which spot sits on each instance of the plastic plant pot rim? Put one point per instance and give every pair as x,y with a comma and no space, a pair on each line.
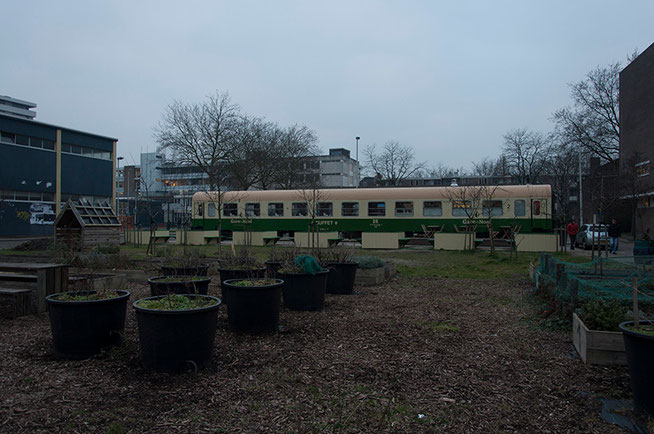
52,298
623,327
177,312
242,269
318,273
278,282
183,279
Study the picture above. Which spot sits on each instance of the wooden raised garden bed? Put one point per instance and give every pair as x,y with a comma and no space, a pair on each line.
597,347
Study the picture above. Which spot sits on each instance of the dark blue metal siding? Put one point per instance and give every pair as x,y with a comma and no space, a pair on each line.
87,140
86,176
27,128
27,169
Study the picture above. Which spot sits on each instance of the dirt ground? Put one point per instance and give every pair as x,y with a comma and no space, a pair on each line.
412,355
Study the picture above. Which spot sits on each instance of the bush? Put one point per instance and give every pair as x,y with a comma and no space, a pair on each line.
367,262
108,249
603,315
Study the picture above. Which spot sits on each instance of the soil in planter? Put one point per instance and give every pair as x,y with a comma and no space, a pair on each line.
83,326
175,302
179,285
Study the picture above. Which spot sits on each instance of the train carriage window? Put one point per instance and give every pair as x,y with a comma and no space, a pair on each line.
404,209
230,210
492,208
376,209
276,209
350,209
299,209
432,209
252,209
535,207
200,209
325,209
519,208
461,208
211,210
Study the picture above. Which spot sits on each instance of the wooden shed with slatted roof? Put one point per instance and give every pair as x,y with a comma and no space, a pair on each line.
84,225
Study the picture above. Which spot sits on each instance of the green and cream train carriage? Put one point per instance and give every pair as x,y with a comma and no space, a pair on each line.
378,217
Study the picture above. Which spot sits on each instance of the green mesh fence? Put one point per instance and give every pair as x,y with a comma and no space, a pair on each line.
603,278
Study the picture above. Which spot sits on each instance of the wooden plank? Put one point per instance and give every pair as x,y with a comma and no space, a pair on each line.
14,302
597,347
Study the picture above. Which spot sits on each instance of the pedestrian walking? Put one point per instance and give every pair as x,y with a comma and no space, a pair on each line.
572,229
614,235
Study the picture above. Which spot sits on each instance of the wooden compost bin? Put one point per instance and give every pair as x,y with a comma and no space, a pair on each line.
84,225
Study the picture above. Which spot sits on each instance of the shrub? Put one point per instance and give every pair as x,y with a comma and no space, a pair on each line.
603,314
367,262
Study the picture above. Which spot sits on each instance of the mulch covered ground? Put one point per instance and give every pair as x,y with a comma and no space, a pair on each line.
413,355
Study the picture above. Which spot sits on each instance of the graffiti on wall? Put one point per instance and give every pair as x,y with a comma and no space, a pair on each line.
42,214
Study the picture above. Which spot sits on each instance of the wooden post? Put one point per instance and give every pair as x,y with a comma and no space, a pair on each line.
635,308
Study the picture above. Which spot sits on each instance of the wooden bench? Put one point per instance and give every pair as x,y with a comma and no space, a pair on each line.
267,241
162,238
42,279
333,242
215,239
15,302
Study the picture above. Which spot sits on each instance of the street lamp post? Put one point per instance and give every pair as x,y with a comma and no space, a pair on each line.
118,184
359,165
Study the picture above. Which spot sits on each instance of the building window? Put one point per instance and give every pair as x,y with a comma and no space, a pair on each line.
403,209
519,208
299,209
376,209
276,209
7,137
432,209
230,209
492,208
461,208
252,209
350,209
645,202
642,168
325,209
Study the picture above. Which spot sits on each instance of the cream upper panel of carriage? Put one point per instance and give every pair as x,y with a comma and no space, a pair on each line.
289,205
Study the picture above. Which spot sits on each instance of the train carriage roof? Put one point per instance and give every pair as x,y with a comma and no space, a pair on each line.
397,193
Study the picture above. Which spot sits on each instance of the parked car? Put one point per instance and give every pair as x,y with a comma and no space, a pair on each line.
590,234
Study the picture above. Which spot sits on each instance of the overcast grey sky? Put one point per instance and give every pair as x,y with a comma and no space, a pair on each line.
446,78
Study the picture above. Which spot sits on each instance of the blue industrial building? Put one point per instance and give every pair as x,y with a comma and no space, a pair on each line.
42,166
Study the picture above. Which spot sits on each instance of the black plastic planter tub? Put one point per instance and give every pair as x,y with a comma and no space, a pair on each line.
81,329
164,285
254,309
304,291
272,267
171,270
231,273
639,349
341,277
177,340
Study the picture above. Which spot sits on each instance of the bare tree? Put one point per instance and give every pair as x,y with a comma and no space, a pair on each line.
593,121
200,134
526,154
562,168
489,167
394,163
296,144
